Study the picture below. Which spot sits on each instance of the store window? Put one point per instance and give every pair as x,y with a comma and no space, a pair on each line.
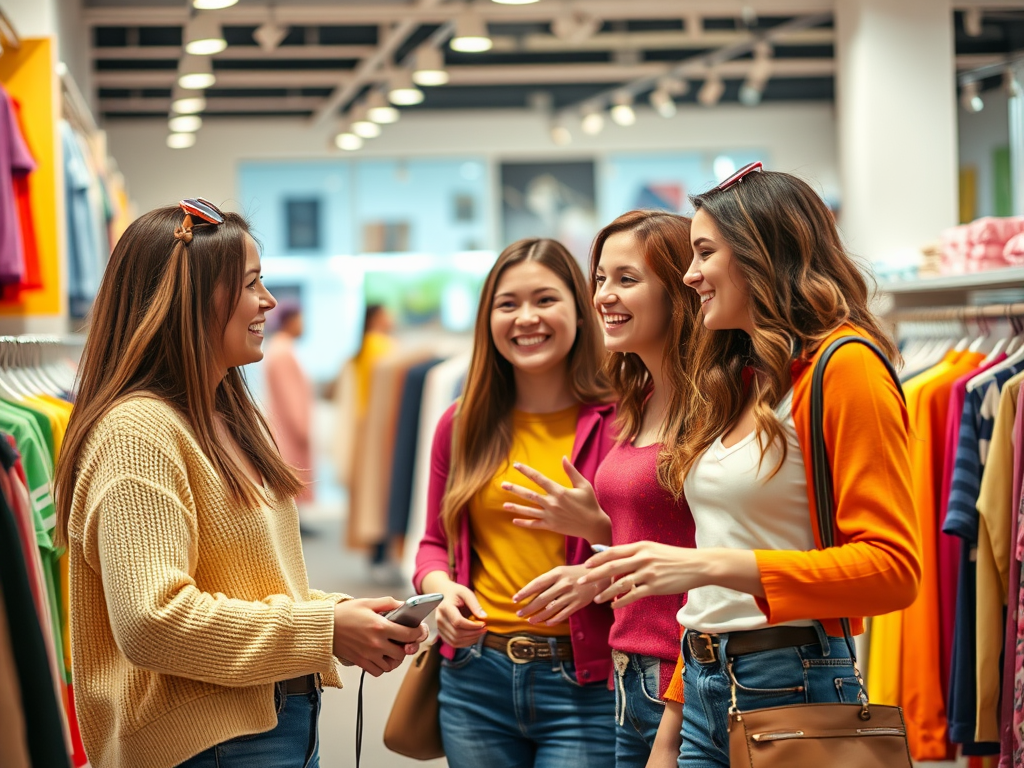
302,218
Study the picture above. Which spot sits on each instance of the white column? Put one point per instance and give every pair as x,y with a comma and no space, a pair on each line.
896,117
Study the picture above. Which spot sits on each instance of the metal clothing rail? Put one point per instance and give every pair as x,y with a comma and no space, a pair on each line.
944,314
76,108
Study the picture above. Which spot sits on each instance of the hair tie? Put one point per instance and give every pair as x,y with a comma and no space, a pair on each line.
184,231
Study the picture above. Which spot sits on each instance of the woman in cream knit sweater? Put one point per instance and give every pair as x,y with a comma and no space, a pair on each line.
195,637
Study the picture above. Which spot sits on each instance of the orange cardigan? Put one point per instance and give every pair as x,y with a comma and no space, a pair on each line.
875,566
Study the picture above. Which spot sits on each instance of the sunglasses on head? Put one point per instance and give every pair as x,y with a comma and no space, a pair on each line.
742,173
200,208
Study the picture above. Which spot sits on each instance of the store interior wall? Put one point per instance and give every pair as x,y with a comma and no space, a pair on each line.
983,139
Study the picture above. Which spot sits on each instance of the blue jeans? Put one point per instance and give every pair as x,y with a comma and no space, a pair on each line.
499,714
638,707
293,743
807,674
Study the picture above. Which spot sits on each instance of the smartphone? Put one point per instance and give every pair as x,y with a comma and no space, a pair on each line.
599,547
415,609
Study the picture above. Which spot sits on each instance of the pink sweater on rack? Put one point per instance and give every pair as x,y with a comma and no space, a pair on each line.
641,510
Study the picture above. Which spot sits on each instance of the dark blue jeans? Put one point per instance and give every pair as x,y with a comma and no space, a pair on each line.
293,743
806,674
499,714
638,707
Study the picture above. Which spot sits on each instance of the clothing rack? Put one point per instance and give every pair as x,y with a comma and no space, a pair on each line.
76,108
942,314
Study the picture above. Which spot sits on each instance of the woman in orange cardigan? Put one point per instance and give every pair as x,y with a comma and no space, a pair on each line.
764,608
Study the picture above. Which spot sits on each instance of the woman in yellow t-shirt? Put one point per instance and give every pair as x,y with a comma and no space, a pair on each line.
513,691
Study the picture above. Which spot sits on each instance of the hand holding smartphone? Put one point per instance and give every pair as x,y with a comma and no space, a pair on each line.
414,610
599,548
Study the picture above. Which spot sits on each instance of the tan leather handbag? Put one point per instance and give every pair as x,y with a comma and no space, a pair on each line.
860,735
414,728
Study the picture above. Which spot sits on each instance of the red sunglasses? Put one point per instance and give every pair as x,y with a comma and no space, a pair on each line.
203,209
742,173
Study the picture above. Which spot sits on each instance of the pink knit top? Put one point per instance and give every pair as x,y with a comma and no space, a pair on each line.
641,510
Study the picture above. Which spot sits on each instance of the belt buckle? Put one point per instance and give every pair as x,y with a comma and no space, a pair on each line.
703,648
528,649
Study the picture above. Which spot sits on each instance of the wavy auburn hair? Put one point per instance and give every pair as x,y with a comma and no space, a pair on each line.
157,324
663,240
482,431
803,286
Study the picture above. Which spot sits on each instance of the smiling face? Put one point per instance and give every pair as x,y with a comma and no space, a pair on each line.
634,306
243,335
715,275
533,318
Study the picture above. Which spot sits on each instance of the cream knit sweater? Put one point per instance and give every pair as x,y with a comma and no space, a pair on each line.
185,609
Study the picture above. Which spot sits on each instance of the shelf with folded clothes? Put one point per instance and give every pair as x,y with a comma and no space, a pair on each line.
994,278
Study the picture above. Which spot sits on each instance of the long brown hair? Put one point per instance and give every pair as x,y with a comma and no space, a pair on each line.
158,319
664,240
482,432
803,286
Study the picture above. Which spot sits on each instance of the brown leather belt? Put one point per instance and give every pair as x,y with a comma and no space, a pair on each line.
704,648
524,648
299,685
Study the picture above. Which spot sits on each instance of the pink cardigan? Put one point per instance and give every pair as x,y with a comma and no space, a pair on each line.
588,627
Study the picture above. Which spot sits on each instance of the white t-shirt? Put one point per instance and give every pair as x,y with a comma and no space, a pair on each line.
735,506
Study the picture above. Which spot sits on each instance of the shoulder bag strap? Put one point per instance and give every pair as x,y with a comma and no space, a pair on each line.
823,488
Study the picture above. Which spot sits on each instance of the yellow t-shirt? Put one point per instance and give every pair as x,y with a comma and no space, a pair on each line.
506,557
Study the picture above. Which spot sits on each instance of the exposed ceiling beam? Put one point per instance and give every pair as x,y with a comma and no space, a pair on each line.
235,78
217,104
236,52
379,13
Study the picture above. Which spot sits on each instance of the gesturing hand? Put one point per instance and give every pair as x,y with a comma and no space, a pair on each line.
364,637
556,595
642,569
568,511
454,627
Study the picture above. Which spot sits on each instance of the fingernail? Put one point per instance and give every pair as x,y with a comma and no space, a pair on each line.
506,486
519,614
516,464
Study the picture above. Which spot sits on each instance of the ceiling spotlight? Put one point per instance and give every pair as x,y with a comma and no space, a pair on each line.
362,126
203,36
751,93
575,26
378,109
663,102
195,73
185,103
560,135
673,86
1011,86
181,140
970,99
471,34
212,5
593,122
513,2
711,92
348,141
185,123
972,22
622,113
429,69
401,90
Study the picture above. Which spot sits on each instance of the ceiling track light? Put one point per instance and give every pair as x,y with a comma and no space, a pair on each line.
973,22
361,125
212,5
471,33
402,91
270,34
187,102
429,69
674,86
203,36
379,110
1011,86
181,140
712,91
195,72
348,141
622,113
593,122
663,102
970,98
560,134
185,123
575,26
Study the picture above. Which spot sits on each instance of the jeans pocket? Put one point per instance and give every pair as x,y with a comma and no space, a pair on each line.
848,690
568,672
769,674
649,678
461,658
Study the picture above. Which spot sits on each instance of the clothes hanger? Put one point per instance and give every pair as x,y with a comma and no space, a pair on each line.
1012,361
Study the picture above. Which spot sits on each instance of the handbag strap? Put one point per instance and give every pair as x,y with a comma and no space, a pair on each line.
823,486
